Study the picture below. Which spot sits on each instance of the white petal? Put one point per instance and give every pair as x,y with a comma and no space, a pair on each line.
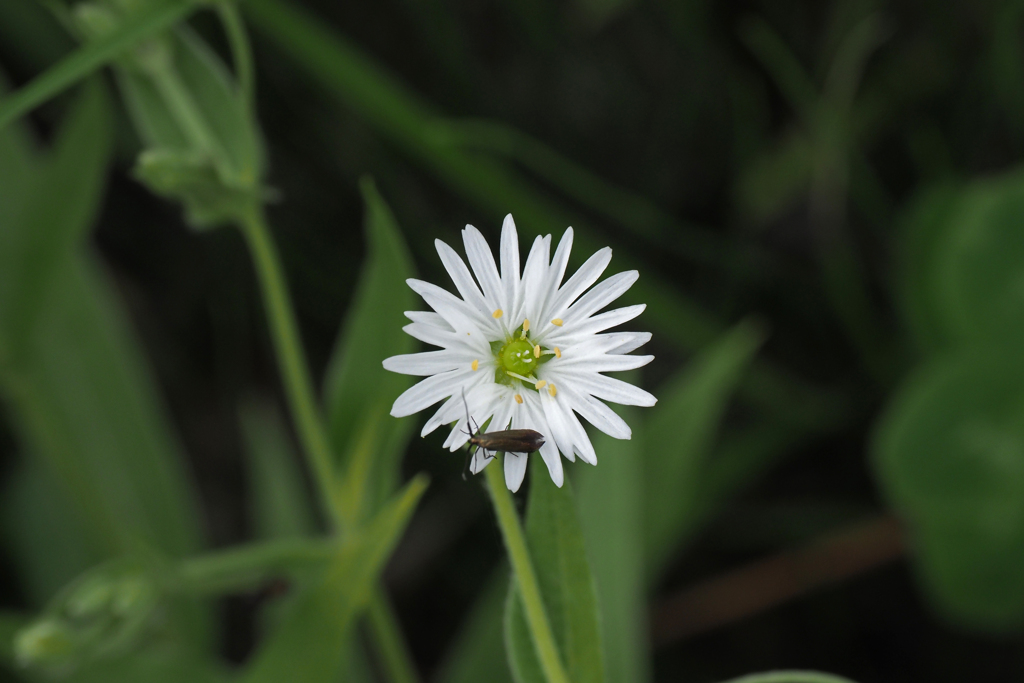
427,362
510,260
481,459
428,392
447,339
603,363
549,450
561,432
460,276
438,418
515,470
628,341
606,320
482,261
611,389
534,279
581,442
559,262
600,296
581,280
599,415
459,315
428,318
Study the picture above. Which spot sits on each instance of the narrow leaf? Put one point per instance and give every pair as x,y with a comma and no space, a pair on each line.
154,18
681,431
359,390
478,653
559,557
310,643
610,503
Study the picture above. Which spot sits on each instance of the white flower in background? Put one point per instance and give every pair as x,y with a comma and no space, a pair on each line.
527,350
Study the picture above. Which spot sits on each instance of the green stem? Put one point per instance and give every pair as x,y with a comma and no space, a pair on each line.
305,412
294,372
243,567
391,649
529,589
184,110
241,50
90,57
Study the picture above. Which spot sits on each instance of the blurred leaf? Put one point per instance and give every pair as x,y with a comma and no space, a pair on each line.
921,227
47,543
978,274
155,17
359,391
1006,64
158,664
557,549
681,431
478,653
309,644
10,623
610,503
775,180
33,249
949,453
280,500
790,677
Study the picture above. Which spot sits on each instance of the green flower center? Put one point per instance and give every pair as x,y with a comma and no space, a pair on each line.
517,356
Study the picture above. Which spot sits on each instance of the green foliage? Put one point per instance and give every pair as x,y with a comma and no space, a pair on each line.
368,443
681,433
950,452
611,502
305,647
557,549
478,652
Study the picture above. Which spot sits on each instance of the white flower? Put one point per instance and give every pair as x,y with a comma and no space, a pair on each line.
527,350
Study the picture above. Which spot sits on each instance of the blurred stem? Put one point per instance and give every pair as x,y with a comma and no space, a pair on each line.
241,49
391,649
526,579
244,567
90,57
184,110
294,371
303,406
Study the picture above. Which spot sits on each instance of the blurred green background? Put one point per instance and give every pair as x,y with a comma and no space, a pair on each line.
826,206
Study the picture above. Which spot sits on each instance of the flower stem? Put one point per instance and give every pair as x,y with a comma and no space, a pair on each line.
529,589
309,422
294,372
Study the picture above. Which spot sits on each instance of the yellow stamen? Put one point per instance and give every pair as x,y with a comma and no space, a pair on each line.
557,322
536,351
558,352
519,399
526,325
475,364
541,384
552,390
497,314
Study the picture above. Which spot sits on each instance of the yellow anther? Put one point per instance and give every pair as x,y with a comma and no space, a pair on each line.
519,399
526,325
536,351
497,314
557,322
558,352
552,390
475,364
541,384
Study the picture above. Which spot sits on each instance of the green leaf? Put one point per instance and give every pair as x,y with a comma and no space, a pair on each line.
681,431
920,230
479,650
979,265
279,497
359,390
10,623
558,551
949,453
310,643
156,16
46,230
610,503
790,677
